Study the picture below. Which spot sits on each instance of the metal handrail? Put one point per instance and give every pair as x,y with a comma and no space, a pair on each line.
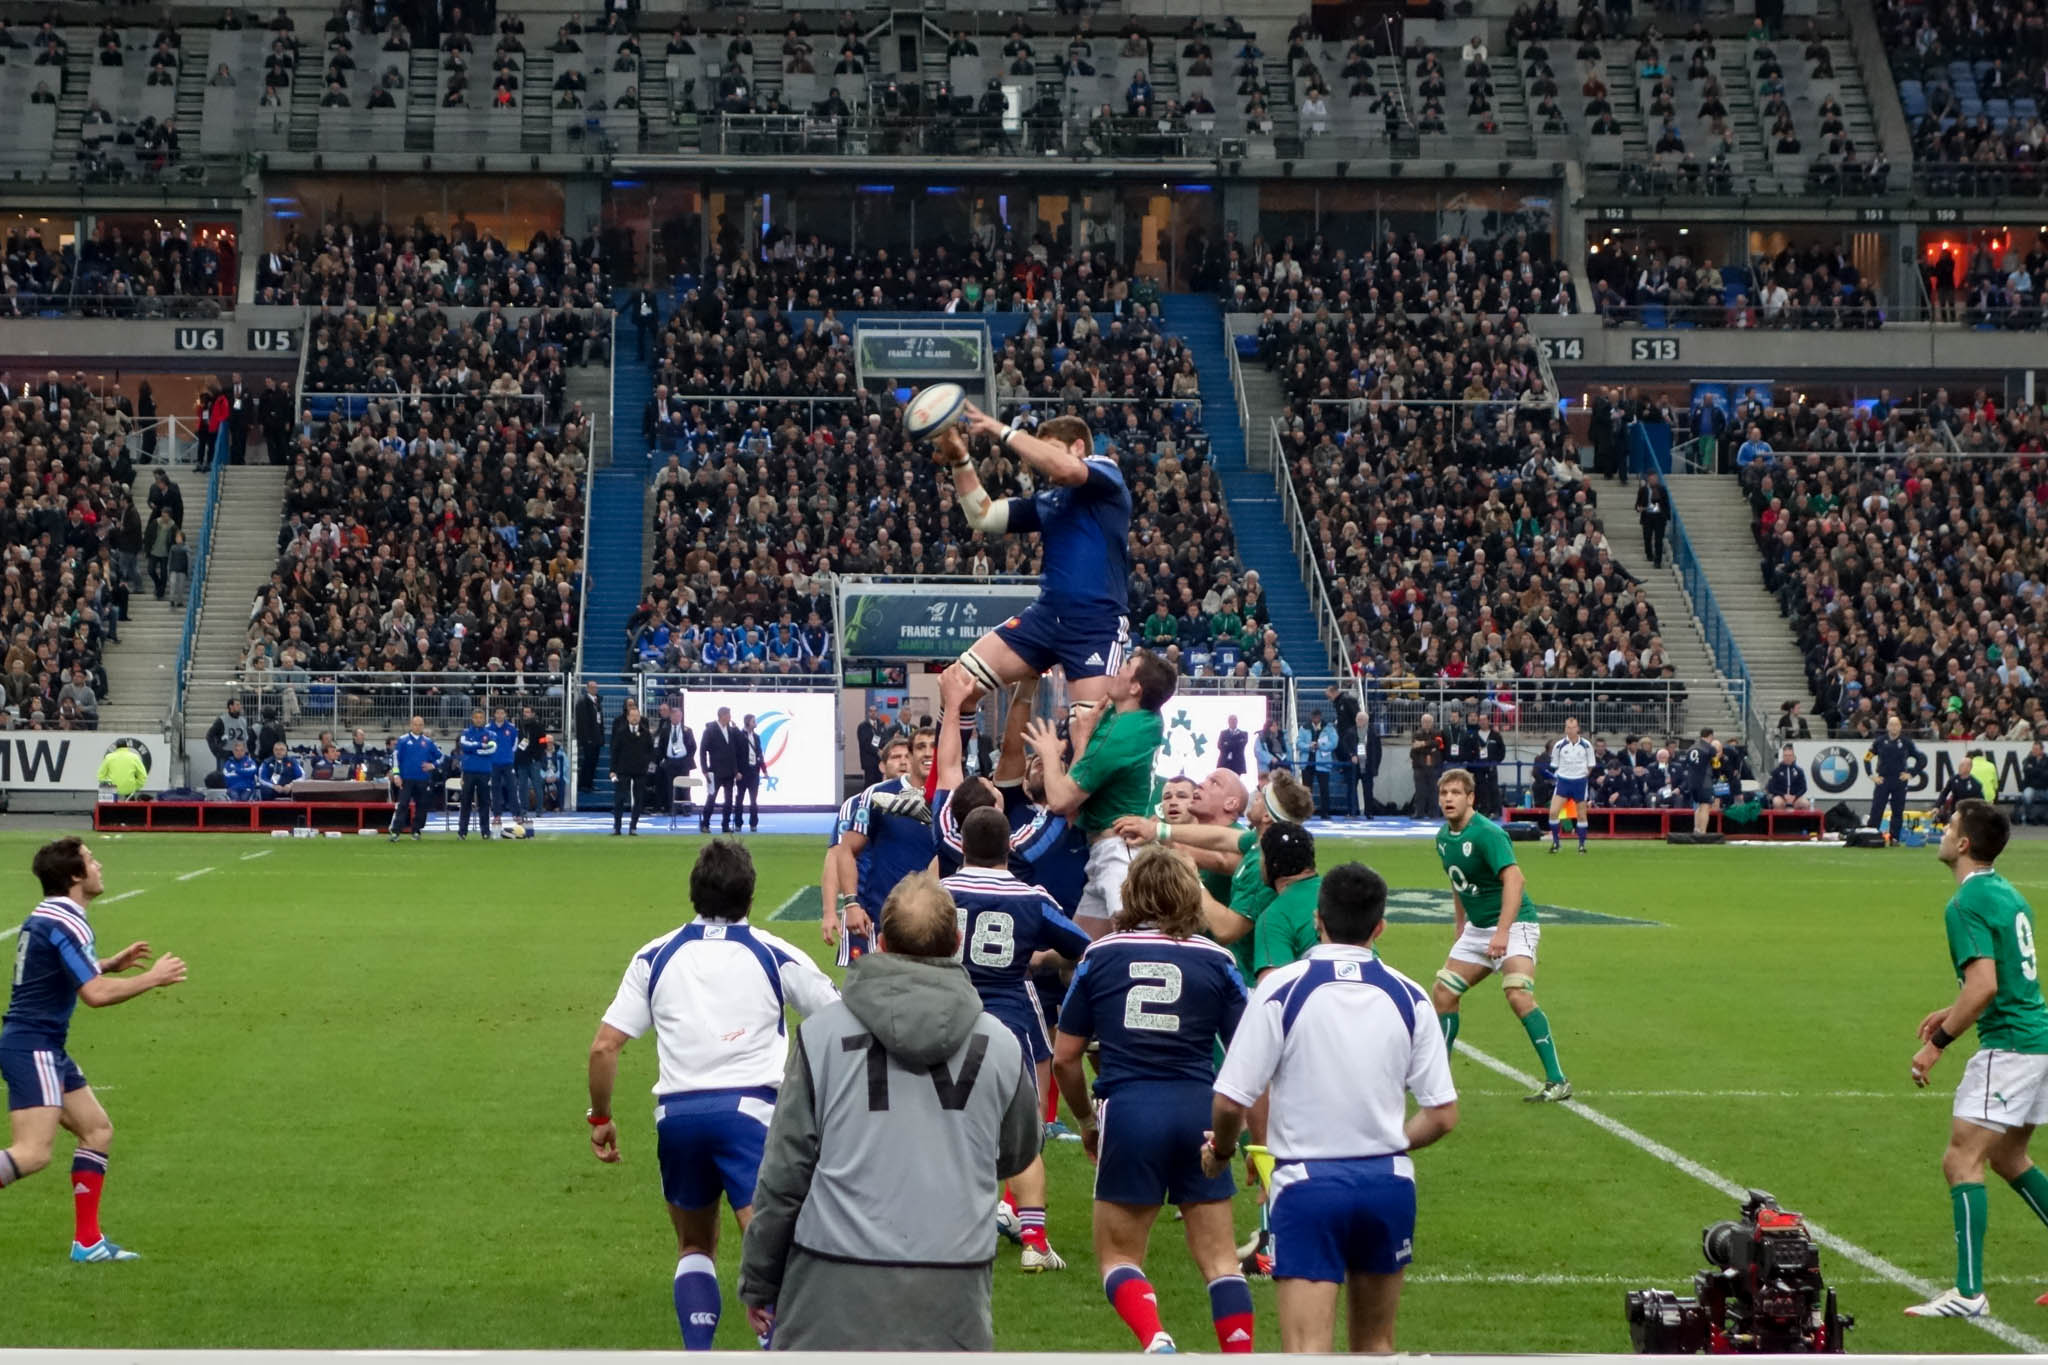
201,554
1311,566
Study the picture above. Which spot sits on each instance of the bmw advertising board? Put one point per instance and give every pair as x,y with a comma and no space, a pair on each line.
799,741
69,760
1836,769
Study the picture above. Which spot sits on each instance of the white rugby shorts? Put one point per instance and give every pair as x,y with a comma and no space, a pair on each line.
1472,944
2002,1090
1109,862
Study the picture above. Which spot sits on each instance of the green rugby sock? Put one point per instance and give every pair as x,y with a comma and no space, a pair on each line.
1537,1026
2032,1186
1450,1023
1968,1204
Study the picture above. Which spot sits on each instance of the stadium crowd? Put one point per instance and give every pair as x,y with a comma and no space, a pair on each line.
75,541
1913,586
162,273
385,266
1972,78
1807,287
986,274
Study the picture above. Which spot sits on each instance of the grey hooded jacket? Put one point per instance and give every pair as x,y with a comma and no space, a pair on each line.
903,1107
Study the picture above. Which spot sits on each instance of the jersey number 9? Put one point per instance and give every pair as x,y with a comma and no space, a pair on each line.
994,943
1162,989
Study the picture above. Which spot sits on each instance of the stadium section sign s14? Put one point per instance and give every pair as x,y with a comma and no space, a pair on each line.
925,620
914,352
799,741
1836,770
69,760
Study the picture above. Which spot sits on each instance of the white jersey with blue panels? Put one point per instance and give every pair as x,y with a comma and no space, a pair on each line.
713,992
1342,1040
1572,759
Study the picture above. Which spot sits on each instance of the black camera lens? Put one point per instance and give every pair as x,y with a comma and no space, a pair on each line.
1718,1242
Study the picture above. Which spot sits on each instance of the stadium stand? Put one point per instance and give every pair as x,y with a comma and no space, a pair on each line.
71,538
1971,81
383,263
1913,584
1807,288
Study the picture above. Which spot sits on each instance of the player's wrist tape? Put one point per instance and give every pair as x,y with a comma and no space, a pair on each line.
1009,430
595,1119
845,901
1941,1038
1165,832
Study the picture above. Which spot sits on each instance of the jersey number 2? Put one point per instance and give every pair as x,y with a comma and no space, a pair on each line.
1162,988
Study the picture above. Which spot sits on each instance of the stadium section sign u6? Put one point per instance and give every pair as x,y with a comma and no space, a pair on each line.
911,352
69,761
926,620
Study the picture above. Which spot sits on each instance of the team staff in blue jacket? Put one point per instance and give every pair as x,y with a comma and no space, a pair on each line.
478,750
504,791
238,773
1272,749
1316,743
1891,757
1786,786
414,760
277,773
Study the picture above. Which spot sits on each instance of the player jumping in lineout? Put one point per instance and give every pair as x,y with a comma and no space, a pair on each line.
1497,929
1571,759
1083,510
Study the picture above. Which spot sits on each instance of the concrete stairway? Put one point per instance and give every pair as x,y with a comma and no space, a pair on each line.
243,554
1685,642
142,667
1717,521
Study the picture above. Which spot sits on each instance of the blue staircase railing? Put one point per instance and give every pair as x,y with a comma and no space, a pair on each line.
200,554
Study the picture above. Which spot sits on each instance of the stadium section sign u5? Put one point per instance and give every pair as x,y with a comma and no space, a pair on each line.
69,761
925,620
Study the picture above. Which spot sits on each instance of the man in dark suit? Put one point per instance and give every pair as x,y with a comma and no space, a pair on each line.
241,416
747,796
719,748
1653,509
1230,747
589,735
869,737
676,748
274,415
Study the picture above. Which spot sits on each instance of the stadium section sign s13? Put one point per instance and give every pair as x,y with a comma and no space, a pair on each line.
1835,769
69,760
925,620
799,741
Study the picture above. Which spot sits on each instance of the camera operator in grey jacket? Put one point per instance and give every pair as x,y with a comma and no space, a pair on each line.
903,1108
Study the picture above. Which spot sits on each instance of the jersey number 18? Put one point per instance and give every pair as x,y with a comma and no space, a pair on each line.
994,942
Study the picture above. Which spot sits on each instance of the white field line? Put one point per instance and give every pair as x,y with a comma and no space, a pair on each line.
1900,1094
1644,1281
11,930
195,872
259,853
1869,1260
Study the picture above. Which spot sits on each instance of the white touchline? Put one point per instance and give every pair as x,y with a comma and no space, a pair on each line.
14,929
196,872
259,853
1910,1095
1869,1260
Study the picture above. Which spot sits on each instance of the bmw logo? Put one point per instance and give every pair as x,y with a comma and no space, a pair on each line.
1835,769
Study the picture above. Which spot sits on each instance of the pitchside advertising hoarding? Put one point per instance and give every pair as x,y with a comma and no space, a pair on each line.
69,761
1192,724
925,620
1837,769
799,741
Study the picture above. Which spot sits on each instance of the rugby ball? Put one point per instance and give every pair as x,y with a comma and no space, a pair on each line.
934,409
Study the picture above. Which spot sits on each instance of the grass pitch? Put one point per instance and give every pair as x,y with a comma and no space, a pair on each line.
360,1123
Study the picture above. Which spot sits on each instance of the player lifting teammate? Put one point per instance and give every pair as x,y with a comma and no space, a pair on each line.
54,969
1082,509
1497,929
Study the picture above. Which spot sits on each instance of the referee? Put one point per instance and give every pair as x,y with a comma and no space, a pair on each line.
1341,1040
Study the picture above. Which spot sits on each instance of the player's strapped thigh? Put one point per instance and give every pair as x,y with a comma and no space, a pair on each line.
1518,980
1452,982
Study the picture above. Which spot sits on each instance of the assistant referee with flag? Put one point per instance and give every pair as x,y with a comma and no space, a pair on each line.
1341,1040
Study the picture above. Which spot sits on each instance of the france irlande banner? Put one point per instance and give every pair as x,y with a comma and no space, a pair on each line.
931,620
